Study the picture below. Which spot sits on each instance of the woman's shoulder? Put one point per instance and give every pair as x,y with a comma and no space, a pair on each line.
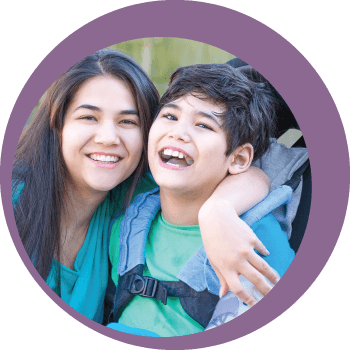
269,231
147,184
117,195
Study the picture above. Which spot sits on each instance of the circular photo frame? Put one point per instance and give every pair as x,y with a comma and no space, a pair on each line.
287,70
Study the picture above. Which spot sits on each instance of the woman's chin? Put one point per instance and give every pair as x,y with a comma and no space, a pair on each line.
103,182
105,187
101,185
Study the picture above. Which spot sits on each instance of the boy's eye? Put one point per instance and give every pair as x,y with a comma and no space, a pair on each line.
204,126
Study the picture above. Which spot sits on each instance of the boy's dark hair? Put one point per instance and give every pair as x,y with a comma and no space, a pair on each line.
249,106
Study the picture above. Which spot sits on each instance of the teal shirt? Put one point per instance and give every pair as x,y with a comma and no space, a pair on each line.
83,288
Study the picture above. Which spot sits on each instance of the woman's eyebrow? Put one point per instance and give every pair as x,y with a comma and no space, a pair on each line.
85,106
129,112
98,109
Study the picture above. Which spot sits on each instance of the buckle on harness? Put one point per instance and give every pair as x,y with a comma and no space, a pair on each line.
138,285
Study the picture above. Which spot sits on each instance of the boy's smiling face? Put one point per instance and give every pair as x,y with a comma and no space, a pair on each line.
186,149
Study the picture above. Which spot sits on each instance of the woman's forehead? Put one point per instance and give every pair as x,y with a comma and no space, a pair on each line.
107,91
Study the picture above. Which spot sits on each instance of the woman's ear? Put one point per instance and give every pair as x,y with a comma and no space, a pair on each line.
241,159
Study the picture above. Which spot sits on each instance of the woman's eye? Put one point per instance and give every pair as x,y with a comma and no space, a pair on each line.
88,117
128,122
170,117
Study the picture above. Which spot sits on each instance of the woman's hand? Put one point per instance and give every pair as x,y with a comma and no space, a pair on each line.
229,242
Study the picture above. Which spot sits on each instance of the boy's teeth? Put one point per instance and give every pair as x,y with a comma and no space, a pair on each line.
168,153
177,165
189,161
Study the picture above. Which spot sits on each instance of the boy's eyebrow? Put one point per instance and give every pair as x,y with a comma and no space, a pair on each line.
98,109
204,114
172,105
210,117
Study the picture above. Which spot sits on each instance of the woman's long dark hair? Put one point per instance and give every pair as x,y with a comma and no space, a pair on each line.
39,170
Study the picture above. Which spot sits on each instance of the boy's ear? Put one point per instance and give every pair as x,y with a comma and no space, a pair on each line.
241,159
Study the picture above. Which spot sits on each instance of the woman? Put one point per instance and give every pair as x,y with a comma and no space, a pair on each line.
79,162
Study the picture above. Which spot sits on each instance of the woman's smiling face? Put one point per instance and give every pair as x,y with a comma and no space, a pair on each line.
101,136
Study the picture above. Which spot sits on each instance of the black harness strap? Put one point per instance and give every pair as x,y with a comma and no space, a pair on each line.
152,288
198,305
109,297
296,178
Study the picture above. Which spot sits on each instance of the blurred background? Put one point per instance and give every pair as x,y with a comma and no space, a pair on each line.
159,57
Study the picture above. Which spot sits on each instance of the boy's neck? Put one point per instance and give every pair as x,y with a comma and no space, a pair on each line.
181,209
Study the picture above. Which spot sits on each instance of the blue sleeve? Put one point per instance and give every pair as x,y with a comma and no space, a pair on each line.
269,231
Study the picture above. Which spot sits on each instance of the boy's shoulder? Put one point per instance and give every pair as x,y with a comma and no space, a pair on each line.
114,245
128,231
142,203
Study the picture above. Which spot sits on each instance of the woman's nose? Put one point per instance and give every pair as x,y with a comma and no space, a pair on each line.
107,134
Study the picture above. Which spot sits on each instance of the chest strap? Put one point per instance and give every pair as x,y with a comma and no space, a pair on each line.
198,305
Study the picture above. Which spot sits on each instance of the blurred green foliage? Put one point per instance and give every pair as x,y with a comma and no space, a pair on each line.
159,57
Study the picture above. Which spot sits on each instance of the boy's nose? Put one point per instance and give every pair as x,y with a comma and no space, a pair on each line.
107,134
179,133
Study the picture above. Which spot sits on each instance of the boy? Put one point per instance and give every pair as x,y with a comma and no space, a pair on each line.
212,122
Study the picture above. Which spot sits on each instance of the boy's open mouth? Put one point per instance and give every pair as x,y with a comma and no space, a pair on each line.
175,158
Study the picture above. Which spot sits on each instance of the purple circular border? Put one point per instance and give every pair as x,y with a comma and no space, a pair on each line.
292,76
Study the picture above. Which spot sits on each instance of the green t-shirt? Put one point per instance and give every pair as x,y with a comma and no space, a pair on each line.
168,248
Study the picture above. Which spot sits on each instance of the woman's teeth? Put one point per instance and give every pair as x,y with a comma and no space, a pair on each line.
168,153
103,158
